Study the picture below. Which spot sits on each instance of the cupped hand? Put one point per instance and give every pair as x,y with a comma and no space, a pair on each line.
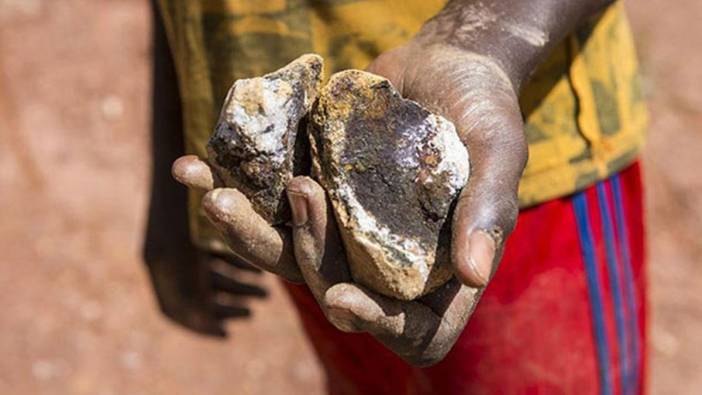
478,97
200,290
420,331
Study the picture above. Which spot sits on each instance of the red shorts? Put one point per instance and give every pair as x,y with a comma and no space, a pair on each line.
565,312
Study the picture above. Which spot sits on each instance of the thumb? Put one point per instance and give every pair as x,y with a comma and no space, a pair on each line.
482,222
487,208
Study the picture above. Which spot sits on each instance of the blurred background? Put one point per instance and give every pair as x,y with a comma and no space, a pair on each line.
79,316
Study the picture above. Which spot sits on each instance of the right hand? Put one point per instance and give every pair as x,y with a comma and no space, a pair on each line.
246,233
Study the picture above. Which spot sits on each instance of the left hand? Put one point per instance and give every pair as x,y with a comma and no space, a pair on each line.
200,290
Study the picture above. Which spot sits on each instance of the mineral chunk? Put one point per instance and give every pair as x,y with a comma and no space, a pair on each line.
255,147
392,170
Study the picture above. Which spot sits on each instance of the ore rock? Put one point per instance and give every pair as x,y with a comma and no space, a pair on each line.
255,147
392,171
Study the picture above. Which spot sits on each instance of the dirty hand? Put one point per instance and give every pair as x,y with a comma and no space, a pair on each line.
201,291
468,64
478,96
420,331
475,94
247,234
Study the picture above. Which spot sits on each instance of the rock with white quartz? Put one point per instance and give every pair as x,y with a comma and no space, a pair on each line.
392,170
255,147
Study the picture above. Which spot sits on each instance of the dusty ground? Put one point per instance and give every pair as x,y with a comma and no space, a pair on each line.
79,315
670,40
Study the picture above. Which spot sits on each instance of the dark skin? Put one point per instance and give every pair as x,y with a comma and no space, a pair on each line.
196,289
468,64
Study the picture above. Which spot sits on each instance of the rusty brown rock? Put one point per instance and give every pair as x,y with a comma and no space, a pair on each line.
392,170
255,148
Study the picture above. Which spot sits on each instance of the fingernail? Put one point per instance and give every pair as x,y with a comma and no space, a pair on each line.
482,254
193,172
298,205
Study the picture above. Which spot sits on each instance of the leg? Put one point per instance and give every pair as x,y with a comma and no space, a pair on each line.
566,311
564,314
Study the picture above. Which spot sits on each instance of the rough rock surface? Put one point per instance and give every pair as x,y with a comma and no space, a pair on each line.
255,147
392,170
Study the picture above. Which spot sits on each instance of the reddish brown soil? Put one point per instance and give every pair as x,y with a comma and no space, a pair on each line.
79,316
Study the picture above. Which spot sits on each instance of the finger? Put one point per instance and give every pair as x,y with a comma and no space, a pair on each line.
487,208
357,309
224,263
248,235
234,287
407,328
224,311
454,303
421,333
316,241
239,264
205,323
485,215
192,172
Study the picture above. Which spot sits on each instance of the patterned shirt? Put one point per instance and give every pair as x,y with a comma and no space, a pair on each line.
583,108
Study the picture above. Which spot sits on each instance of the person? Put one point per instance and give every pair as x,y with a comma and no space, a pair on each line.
553,81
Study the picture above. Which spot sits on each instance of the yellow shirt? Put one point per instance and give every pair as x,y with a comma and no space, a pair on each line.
583,108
